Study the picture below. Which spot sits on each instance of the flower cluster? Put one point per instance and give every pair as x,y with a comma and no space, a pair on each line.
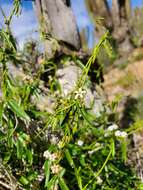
118,133
112,127
99,180
56,168
121,134
80,93
54,139
51,157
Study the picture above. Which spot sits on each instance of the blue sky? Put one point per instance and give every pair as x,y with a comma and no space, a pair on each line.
26,25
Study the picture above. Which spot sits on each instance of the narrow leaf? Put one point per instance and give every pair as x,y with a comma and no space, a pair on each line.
29,156
47,171
52,182
62,184
18,110
23,180
69,158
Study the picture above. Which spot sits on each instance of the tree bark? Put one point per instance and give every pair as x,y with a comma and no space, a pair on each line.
121,31
58,22
101,9
116,20
115,14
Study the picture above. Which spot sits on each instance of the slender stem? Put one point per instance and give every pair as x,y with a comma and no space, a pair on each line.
98,173
91,60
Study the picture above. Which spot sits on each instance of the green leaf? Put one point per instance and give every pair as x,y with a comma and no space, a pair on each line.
18,110
17,7
9,133
115,102
82,160
7,156
24,180
1,112
124,149
19,147
69,158
86,116
62,184
2,135
78,177
29,156
9,39
47,171
141,186
108,48
80,64
32,176
113,147
52,182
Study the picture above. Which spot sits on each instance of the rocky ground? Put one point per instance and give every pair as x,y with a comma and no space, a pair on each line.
128,81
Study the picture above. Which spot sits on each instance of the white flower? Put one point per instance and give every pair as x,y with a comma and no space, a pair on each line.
50,78
112,127
55,169
121,134
107,134
124,134
54,140
51,157
80,142
99,180
118,133
90,152
40,177
97,144
47,154
80,93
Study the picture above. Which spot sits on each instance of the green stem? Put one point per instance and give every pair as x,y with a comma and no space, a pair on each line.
98,173
92,60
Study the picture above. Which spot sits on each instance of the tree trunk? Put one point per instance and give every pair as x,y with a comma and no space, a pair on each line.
57,21
115,14
121,31
116,20
101,15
